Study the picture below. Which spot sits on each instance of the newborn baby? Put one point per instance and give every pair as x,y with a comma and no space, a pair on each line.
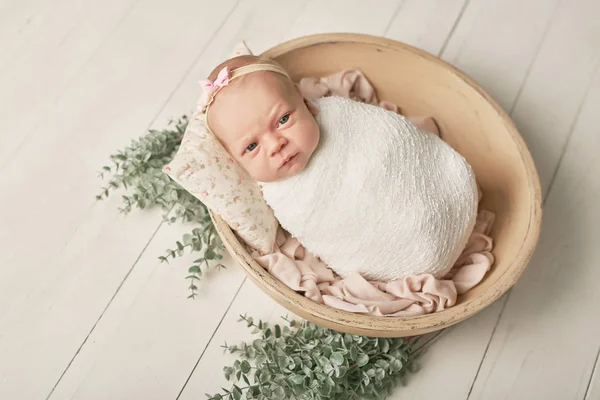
360,187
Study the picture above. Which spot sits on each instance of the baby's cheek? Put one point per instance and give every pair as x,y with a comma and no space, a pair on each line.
246,167
260,171
306,134
314,137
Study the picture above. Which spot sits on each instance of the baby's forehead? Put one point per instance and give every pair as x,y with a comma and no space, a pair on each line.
258,92
245,106
266,81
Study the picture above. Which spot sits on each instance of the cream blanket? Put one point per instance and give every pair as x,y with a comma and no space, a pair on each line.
379,197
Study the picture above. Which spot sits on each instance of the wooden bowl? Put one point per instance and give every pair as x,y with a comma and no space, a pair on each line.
471,122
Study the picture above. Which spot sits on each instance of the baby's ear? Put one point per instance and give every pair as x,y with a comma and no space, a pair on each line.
314,110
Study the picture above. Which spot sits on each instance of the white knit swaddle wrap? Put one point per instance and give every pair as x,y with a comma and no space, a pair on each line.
378,197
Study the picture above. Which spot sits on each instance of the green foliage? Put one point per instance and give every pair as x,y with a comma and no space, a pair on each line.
204,239
138,169
311,362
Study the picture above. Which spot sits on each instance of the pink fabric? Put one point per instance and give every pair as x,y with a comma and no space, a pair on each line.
413,295
350,83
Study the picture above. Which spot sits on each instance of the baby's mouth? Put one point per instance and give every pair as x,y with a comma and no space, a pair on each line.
287,160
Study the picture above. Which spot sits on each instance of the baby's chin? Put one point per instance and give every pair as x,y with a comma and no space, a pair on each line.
275,178
285,173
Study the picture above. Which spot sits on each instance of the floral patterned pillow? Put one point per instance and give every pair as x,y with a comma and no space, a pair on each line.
203,167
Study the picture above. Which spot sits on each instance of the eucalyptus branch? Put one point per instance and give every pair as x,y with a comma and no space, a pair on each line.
306,361
138,169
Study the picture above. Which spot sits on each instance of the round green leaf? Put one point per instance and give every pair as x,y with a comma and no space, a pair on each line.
245,367
336,359
362,360
341,371
323,360
396,365
279,393
296,379
384,345
237,393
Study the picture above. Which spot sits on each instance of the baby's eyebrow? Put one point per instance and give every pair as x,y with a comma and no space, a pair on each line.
276,111
245,139
272,117
274,114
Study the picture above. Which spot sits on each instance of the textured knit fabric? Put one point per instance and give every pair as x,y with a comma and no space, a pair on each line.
378,197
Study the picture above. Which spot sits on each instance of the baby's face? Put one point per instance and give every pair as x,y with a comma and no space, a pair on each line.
264,123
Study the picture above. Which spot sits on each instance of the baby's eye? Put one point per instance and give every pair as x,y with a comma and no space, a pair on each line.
251,147
284,119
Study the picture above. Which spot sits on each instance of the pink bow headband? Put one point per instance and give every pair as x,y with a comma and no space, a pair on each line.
211,88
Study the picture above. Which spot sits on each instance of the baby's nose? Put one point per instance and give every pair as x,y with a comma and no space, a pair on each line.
276,144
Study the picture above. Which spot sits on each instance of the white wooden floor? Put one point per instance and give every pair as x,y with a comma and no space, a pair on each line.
88,312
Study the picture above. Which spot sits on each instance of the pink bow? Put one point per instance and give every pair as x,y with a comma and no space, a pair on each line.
209,86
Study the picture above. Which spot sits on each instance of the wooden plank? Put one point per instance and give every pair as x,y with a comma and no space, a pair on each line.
495,44
354,16
18,22
593,390
449,366
62,40
27,26
64,256
148,342
548,104
207,376
426,24
547,341
23,208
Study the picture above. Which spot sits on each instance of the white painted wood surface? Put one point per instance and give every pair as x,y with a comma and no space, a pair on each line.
88,312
